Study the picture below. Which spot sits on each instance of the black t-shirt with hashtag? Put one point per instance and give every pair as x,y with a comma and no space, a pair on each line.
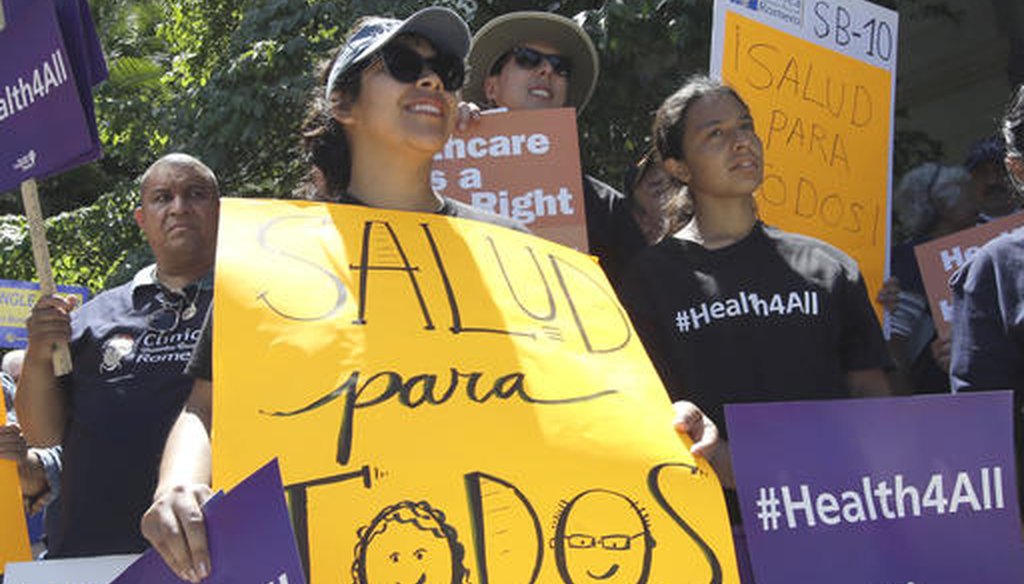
775,316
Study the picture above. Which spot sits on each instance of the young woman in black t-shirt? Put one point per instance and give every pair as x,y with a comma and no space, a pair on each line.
731,310
726,262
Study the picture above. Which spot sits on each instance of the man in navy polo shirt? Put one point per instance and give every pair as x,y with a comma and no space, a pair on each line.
129,347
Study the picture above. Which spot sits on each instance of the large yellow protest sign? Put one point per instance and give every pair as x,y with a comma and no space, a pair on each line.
14,545
450,401
824,118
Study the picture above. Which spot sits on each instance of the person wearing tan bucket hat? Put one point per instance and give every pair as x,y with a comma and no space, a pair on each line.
545,44
539,60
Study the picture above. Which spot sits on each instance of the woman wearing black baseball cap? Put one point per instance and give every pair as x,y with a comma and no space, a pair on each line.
387,106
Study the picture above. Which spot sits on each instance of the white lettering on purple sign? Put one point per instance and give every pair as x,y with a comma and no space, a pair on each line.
881,499
36,85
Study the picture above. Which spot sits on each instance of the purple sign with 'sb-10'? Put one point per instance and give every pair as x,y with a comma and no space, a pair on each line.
43,117
903,490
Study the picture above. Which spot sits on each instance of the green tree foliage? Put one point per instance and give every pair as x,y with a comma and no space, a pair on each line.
86,245
647,49
243,119
227,80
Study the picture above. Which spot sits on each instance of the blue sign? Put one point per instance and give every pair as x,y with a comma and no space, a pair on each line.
16,301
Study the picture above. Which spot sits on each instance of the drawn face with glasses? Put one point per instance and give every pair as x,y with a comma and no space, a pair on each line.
529,76
602,536
609,542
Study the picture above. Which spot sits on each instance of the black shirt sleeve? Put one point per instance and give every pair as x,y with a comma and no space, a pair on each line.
612,233
635,293
200,365
862,345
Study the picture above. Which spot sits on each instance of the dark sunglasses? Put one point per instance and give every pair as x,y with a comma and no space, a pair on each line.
530,59
406,65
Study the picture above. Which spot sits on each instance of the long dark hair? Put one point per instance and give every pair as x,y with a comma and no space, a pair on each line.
323,139
670,122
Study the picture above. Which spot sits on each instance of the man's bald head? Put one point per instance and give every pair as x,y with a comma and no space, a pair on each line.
12,362
178,211
179,159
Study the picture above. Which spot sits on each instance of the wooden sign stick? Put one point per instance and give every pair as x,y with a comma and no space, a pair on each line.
41,255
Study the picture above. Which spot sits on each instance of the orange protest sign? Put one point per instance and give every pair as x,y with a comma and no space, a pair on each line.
14,546
939,258
524,165
825,120
453,398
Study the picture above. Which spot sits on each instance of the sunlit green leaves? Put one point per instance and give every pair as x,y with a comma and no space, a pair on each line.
227,80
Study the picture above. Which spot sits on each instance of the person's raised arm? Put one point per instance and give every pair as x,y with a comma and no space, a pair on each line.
174,522
707,442
41,406
31,474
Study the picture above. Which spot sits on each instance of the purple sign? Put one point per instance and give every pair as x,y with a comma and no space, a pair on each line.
45,115
884,491
250,536
86,54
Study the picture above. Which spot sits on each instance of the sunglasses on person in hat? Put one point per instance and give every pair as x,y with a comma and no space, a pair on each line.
406,65
530,59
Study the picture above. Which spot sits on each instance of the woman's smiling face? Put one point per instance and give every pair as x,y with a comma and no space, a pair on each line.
419,115
517,87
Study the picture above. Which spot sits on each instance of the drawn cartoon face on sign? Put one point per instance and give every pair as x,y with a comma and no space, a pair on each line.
602,536
408,543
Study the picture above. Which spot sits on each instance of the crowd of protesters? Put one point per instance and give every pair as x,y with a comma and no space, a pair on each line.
685,232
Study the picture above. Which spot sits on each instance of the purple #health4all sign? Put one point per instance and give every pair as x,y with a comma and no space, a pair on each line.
912,490
45,115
